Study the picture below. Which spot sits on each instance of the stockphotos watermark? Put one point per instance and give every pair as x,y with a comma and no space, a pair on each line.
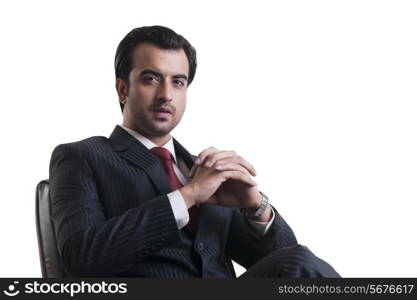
71,288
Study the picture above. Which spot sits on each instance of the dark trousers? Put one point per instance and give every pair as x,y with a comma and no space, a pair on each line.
291,262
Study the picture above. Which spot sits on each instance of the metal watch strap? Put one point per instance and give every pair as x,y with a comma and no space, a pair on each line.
261,208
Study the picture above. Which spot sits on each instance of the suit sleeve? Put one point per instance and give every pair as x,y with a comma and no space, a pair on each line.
91,244
246,245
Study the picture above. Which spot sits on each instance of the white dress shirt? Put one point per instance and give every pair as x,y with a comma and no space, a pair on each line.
176,200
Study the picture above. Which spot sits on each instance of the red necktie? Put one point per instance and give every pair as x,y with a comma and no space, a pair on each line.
165,157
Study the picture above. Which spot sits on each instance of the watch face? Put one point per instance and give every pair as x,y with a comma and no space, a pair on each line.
260,210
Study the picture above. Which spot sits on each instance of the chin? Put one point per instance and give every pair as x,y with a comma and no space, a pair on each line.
164,126
163,130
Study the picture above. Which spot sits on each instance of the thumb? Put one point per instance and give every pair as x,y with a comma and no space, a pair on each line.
192,171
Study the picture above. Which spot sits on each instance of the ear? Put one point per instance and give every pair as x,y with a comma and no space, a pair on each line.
121,89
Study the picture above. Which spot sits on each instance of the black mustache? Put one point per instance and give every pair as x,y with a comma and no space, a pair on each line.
167,107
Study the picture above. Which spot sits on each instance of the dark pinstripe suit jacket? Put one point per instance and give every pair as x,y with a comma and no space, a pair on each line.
112,217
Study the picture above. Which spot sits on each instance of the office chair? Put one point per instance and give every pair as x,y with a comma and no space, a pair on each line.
51,265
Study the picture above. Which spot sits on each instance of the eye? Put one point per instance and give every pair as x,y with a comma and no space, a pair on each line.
149,79
179,83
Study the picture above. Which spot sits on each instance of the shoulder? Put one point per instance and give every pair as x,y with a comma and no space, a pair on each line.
80,154
83,147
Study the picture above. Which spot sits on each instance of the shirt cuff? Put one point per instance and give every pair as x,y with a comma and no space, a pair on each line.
179,208
263,227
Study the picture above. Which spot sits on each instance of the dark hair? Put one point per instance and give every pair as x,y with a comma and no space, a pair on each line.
160,36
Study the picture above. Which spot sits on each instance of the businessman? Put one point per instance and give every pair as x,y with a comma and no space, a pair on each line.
139,204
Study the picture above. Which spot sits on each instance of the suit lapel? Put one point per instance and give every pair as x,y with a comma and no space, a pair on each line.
136,153
184,154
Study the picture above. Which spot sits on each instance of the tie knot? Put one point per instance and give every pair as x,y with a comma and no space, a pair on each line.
162,153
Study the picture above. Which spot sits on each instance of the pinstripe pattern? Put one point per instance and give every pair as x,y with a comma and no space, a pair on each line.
112,217
291,262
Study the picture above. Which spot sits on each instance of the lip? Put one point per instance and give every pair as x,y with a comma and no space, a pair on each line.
164,110
162,115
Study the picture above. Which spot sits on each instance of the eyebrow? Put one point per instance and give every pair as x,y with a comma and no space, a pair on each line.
157,74
181,76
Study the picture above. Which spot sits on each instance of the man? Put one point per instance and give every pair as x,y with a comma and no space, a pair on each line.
139,204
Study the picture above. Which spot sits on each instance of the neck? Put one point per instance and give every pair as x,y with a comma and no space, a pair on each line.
157,140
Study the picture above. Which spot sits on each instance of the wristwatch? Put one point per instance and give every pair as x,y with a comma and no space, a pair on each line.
260,210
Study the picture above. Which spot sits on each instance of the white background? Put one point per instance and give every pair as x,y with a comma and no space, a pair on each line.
320,96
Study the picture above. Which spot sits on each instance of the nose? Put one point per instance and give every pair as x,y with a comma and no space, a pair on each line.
164,92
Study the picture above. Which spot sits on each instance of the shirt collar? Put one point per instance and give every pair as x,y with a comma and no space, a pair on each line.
149,144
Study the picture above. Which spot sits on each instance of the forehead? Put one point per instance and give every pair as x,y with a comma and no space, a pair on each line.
167,62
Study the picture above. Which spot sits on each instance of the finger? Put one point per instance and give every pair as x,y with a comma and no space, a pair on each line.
231,166
240,176
238,160
215,156
193,170
202,156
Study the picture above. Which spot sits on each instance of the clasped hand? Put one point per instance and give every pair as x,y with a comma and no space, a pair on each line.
224,178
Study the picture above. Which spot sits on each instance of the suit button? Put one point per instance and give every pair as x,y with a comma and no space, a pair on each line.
200,246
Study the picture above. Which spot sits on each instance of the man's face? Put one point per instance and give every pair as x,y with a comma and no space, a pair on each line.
156,98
